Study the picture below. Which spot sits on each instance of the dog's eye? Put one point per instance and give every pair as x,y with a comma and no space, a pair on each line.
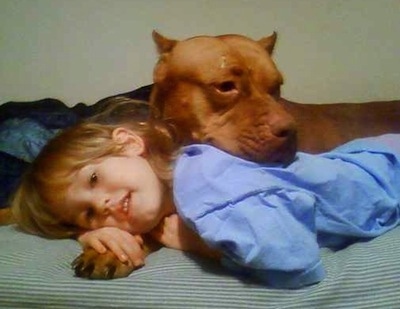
227,86
275,91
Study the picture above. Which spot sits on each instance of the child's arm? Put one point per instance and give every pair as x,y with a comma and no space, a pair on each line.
267,235
124,245
173,233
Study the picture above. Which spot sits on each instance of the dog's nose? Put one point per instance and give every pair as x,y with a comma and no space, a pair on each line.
283,129
283,132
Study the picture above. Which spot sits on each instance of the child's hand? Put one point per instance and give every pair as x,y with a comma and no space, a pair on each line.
124,245
173,233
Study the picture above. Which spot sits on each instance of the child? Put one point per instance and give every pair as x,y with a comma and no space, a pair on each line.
100,173
105,182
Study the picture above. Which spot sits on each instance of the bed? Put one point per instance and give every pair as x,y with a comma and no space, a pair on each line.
36,272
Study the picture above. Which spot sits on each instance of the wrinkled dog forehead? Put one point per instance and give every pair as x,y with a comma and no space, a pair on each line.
217,64
258,58
205,57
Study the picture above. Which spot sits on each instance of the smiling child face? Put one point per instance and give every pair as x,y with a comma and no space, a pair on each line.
120,191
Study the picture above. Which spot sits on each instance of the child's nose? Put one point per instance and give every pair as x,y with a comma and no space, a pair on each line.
104,206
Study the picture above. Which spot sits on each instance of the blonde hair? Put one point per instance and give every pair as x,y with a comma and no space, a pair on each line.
44,185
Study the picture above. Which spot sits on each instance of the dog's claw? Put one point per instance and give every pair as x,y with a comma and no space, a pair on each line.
87,270
110,271
83,270
75,262
79,267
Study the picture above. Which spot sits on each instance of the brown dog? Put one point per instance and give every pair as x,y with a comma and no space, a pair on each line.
225,91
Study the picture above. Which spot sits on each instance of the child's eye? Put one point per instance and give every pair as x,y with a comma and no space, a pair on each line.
93,179
89,215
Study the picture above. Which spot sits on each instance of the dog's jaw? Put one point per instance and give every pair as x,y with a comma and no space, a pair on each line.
252,135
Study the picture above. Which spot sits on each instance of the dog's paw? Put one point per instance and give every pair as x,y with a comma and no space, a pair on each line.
93,265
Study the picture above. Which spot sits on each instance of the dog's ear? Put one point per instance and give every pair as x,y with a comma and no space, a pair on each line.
160,70
268,43
164,45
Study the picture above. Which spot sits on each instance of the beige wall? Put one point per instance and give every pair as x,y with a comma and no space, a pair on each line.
83,50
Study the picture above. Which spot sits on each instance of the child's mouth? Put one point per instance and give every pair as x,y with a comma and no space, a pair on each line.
125,203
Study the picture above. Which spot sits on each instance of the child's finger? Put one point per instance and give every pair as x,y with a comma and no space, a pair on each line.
133,249
118,251
139,239
126,248
97,245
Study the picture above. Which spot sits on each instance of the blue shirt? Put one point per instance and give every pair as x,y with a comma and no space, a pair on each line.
270,221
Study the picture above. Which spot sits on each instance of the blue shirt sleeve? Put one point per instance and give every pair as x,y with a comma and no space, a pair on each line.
268,233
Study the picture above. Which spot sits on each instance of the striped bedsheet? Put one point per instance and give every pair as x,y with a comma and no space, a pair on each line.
36,273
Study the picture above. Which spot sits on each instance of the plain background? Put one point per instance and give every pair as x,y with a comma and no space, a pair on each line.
84,50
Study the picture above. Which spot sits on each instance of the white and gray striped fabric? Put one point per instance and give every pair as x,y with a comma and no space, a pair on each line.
36,273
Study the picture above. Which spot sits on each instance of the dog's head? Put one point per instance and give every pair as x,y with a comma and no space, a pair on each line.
223,91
